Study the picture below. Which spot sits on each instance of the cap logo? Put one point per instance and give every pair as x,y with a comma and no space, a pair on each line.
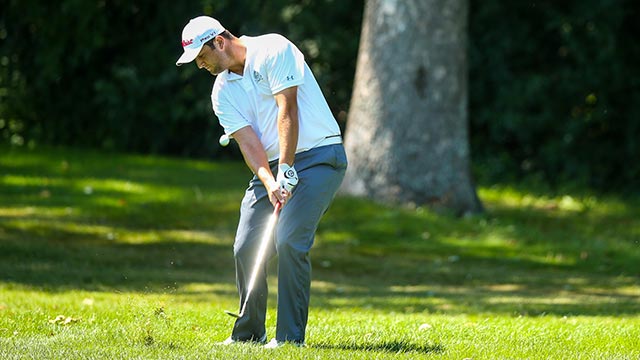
196,42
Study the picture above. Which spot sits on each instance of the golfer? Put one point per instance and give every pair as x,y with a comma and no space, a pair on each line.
266,97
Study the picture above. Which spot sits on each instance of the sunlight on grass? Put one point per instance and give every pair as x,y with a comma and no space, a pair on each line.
117,256
30,211
68,230
85,185
204,288
506,196
569,299
88,185
513,198
64,229
92,187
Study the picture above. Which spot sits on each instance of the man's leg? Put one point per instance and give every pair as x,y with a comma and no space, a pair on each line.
254,215
320,172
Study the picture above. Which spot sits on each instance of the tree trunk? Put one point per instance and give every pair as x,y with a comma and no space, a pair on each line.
407,131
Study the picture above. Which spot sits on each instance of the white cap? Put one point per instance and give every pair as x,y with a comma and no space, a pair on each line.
197,32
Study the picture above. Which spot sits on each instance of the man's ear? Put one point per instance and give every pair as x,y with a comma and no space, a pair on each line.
220,43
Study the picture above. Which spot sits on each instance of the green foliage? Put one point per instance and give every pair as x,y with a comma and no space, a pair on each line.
102,74
553,91
554,87
116,256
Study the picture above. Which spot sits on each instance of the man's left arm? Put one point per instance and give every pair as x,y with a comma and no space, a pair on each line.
288,125
285,72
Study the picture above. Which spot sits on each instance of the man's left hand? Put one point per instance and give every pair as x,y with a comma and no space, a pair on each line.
287,177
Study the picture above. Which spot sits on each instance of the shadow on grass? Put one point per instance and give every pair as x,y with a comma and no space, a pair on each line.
88,220
59,258
513,260
112,266
393,346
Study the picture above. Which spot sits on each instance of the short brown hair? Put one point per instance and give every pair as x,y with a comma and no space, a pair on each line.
225,34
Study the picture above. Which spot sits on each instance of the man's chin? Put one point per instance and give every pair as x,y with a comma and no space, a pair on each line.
215,72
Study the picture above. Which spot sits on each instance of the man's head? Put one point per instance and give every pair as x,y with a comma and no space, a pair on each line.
195,34
211,46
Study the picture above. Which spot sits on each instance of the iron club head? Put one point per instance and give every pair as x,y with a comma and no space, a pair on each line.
232,314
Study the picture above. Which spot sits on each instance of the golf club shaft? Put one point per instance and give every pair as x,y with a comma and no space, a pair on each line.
264,242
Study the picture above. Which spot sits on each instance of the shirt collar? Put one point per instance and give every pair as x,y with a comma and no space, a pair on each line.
231,76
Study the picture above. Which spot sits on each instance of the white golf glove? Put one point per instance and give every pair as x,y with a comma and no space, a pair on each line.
287,177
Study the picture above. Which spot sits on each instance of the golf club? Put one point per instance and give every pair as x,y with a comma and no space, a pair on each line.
259,259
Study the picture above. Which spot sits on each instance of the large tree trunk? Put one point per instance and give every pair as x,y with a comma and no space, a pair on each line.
407,131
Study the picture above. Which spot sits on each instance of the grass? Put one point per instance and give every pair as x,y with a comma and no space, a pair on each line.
121,256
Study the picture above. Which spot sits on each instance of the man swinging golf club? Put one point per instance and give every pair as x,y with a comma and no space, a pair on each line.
266,97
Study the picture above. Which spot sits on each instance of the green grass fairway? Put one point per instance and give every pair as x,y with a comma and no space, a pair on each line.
130,257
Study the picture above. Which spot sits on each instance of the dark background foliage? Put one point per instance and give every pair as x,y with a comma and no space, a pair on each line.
555,89
554,86
102,73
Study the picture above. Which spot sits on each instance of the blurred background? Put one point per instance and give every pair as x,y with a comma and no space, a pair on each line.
554,86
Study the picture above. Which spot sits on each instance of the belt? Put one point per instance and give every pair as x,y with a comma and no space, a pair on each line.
328,140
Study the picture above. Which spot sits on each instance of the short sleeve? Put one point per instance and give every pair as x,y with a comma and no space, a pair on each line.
284,67
228,116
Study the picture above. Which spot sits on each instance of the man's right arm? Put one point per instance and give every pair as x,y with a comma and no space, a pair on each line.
256,159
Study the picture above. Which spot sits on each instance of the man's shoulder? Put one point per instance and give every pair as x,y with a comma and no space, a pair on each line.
267,40
268,44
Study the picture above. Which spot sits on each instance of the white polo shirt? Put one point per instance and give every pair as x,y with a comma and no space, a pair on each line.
273,64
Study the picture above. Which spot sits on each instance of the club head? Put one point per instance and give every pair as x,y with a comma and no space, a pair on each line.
232,314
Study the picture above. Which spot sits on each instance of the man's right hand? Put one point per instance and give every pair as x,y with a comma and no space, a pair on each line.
277,193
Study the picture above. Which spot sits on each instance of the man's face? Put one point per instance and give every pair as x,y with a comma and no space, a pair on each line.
212,59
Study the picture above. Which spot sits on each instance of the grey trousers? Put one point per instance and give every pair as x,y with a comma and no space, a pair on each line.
320,173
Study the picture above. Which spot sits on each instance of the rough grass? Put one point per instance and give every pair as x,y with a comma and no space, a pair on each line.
119,256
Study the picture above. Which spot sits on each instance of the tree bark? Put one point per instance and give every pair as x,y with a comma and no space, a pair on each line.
407,130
